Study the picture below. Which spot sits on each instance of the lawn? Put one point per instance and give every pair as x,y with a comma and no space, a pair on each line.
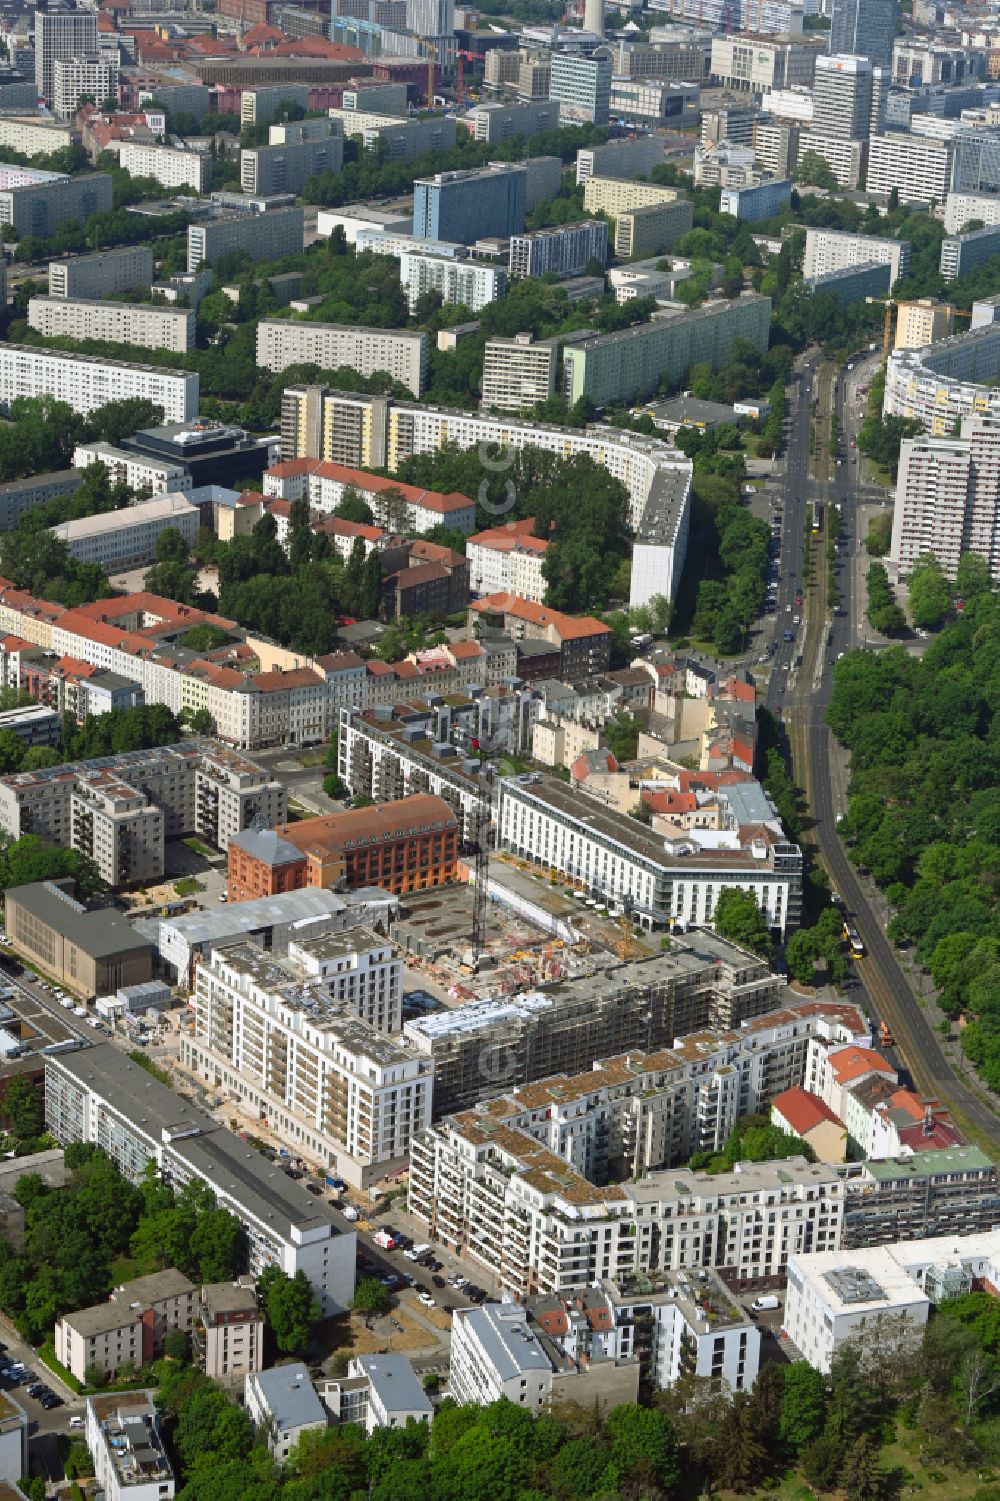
929,1481
200,848
187,886
348,1332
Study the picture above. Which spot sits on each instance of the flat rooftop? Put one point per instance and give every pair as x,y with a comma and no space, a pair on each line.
102,933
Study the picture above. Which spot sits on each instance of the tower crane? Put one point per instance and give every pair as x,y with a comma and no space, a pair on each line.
490,748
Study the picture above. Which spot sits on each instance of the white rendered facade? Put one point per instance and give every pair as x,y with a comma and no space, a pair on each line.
102,275
123,1436
946,381
566,249
836,1296
495,1353
308,1034
518,372
123,539
835,250
170,165
920,169
962,208
142,475
87,381
291,341
475,284
73,76
146,327
948,497
498,565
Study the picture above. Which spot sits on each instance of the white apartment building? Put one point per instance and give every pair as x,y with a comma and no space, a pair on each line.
86,381
495,1353
117,828
920,169
961,208
170,165
283,1404
123,539
108,1336
379,1391
142,475
265,237
507,561
948,497
843,155
835,250
124,1439
519,372
619,159
652,230
102,275
922,322
837,1296
475,284
408,508
100,1095
292,341
395,139
304,1038
566,249
295,152
494,1195
146,327
613,196
73,77
672,880
33,135
946,381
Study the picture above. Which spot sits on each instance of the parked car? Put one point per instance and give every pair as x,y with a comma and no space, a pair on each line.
439,1281
427,1300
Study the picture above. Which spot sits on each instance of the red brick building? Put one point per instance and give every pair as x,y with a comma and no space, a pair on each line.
403,846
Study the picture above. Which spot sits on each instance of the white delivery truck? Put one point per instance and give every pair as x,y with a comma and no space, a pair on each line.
765,1304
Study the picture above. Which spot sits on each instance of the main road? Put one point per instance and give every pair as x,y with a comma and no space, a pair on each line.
804,701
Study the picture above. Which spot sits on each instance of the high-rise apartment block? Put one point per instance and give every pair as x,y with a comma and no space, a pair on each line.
959,253
475,284
170,165
294,153
258,106
293,341
466,206
866,28
61,34
565,249
614,196
496,122
834,249
518,372
72,77
948,498
265,237
102,275
36,203
619,159
581,86
87,381
652,230
144,326
842,97
918,168
922,322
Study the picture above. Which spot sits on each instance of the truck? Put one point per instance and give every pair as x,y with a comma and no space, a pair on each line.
885,1036
385,1240
766,1304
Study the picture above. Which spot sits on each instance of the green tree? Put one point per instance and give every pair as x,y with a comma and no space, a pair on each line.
738,918
217,1245
972,577
930,593
371,1298
803,1406
171,547
22,1109
862,1475
644,1446
291,1309
177,1345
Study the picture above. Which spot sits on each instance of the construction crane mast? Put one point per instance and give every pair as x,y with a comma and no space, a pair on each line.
890,303
490,748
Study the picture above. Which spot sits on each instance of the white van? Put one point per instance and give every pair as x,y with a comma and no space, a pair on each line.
76,1422
765,1304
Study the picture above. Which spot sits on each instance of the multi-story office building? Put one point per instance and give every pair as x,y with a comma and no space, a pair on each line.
617,367
959,253
866,28
118,540
653,101
496,1196
922,322
475,284
949,1191
834,249
303,1038
36,203
497,122
756,201
367,432
261,105
917,167
611,196
405,846
565,249
72,77
99,1095
581,86
87,381
852,284
652,230
842,97
293,341
683,60
753,63
170,165
61,34
146,327
124,1438
265,237
619,159
466,206
294,153
948,497
199,788
518,372
669,881
946,381
102,275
